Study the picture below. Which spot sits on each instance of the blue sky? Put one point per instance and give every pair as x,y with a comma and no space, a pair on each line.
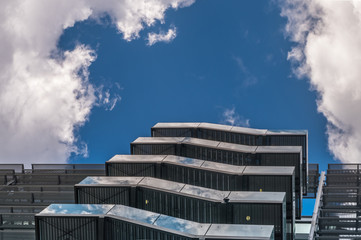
228,56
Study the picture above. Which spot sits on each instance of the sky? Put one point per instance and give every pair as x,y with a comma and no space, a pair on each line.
81,80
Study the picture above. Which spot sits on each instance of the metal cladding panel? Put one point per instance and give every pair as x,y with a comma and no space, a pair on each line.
223,168
120,229
158,140
181,225
228,136
251,131
257,197
169,228
180,174
239,135
157,149
213,126
176,125
174,132
237,147
111,181
131,169
172,159
82,228
192,204
243,231
288,159
247,178
279,149
269,170
131,158
164,185
276,184
103,195
178,206
264,214
69,221
235,158
205,193
289,138
200,142
76,209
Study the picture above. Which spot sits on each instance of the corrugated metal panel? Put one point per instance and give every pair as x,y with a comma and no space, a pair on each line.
237,135
194,208
103,195
67,228
215,180
118,229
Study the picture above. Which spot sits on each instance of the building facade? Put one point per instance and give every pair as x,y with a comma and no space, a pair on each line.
187,181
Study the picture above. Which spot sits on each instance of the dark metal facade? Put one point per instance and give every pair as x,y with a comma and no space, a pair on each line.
238,135
211,175
188,202
116,222
181,147
119,229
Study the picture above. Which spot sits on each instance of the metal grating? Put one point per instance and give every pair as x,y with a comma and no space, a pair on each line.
340,213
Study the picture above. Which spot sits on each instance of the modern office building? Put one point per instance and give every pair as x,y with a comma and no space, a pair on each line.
187,181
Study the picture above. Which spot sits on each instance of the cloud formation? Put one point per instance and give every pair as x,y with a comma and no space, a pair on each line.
232,118
162,37
45,94
327,36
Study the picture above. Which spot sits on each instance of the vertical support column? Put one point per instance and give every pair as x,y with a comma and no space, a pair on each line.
316,209
37,230
100,231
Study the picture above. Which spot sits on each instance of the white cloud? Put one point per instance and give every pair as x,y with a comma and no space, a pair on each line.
162,37
328,51
231,117
45,94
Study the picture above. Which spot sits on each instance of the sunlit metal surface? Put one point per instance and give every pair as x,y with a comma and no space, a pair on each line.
139,220
77,209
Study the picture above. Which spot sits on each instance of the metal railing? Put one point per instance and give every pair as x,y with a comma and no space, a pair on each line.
316,209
